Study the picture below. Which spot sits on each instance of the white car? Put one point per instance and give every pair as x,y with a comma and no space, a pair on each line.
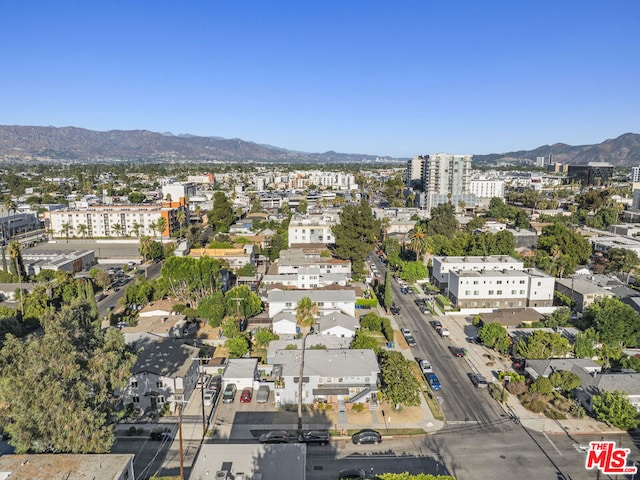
425,366
203,381
405,332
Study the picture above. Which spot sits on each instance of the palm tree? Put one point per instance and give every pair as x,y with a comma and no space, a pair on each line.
82,230
385,223
181,217
65,228
136,229
154,227
418,240
305,311
16,258
116,227
161,224
198,211
145,246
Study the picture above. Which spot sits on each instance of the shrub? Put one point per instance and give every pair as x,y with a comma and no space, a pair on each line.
534,401
477,320
562,404
555,414
516,388
541,385
498,393
358,407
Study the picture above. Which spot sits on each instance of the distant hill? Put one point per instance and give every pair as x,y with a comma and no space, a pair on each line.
24,143
621,151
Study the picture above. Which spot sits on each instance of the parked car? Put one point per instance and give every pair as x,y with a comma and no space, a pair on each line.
457,351
405,332
210,397
443,332
263,394
275,436
424,309
366,436
215,383
410,340
425,366
314,437
434,381
203,381
478,380
395,310
437,324
160,435
354,473
245,396
229,394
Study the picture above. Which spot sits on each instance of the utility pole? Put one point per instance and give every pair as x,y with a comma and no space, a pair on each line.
238,300
204,417
180,402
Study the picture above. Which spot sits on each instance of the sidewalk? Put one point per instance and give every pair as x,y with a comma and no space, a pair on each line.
477,357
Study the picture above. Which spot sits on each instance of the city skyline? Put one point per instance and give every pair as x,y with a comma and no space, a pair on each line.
355,78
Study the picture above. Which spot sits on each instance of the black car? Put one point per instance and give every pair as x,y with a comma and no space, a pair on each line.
410,340
354,473
479,380
395,310
275,436
457,351
437,324
366,436
314,437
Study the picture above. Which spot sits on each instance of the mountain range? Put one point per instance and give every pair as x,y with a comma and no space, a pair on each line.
621,151
29,143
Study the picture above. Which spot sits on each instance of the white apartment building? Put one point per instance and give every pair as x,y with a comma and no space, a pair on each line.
443,265
297,260
415,166
501,288
445,174
110,221
487,188
204,179
179,192
327,301
308,229
635,174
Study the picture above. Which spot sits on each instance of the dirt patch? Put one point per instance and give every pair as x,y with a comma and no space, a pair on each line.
359,418
404,415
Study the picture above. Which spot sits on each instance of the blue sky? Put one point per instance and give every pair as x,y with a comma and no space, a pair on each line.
389,78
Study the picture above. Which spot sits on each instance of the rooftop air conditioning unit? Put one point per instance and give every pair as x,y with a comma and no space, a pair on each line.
221,475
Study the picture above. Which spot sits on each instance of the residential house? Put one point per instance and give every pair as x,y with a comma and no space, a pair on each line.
284,323
338,324
164,372
581,291
236,257
328,342
45,466
334,376
311,229
295,259
327,301
442,265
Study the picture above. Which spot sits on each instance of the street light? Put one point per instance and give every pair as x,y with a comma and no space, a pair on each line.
385,421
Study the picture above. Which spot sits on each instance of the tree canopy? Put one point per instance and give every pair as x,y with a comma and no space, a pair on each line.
615,322
57,388
541,345
616,409
356,234
400,386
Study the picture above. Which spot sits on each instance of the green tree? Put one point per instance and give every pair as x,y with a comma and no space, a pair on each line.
417,241
100,277
622,260
412,271
565,380
57,388
558,241
394,191
230,327
249,304
192,279
616,322
136,197
221,216
302,207
363,341
355,234
585,343
542,345
399,385
493,335
238,347
161,225
443,221
263,336
616,409
561,317
542,385
388,292
212,308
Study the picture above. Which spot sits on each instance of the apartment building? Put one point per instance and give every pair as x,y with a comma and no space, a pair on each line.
487,187
311,229
112,221
445,176
501,288
443,265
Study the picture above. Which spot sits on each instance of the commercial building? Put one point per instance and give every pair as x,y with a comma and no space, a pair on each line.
445,175
594,173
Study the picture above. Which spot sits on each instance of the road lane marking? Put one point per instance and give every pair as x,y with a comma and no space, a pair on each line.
553,444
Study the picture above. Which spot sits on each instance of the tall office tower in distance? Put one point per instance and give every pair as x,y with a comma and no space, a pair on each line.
446,178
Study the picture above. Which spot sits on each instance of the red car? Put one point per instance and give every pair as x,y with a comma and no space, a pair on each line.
245,396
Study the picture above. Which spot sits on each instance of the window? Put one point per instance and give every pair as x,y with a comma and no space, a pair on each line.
499,282
539,284
134,383
490,292
514,292
288,305
135,399
521,292
160,399
475,282
476,292
159,384
467,292
521,282
499,292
